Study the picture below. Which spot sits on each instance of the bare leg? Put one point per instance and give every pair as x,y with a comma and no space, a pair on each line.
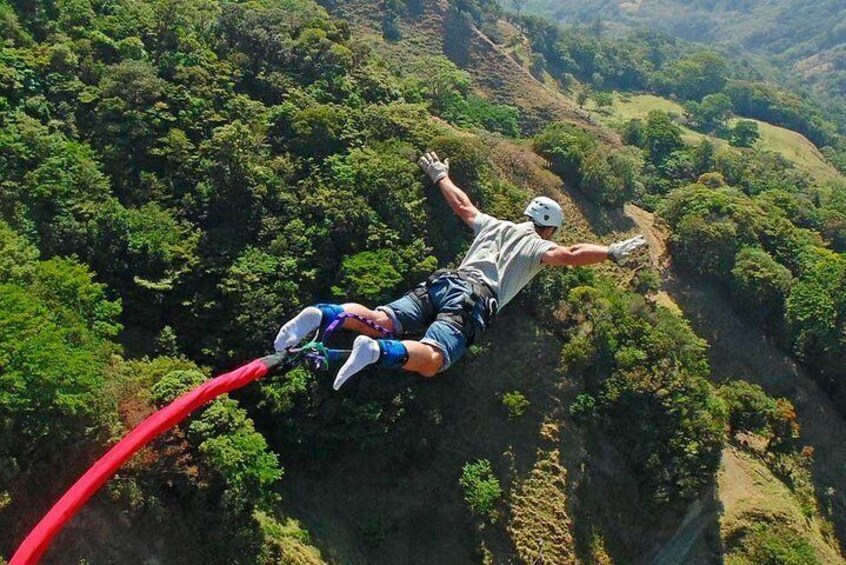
374,315
423,358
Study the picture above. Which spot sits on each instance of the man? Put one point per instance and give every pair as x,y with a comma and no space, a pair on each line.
452,308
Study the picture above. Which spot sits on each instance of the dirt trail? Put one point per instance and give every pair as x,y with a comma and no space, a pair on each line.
740,350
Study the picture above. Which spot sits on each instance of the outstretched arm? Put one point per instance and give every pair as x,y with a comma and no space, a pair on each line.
456,198
458,201
587,253
575,255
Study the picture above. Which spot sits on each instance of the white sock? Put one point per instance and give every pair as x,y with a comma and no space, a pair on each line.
296,329
365,352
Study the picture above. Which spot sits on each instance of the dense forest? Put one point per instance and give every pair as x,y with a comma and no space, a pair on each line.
177,178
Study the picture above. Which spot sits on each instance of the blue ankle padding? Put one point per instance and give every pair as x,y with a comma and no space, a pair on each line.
393,354
330,313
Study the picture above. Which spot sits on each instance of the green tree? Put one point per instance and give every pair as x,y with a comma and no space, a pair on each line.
706,246
815,308
750,409
604,175
603,99
440,83
760,286
370,276
261,288
321,130
662,135
634,133
744,133
647,391
225,438
711,114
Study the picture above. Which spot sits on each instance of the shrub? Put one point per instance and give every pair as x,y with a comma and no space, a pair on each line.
493,117
748,405
712,180
583,408
481,487
760,285
516,403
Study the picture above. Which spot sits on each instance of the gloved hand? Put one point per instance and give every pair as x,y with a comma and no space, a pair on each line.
621,249
433,166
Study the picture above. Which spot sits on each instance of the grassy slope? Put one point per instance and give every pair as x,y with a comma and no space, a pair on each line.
429,28
750,494
793,146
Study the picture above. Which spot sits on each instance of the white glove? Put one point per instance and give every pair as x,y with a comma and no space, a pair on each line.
433,166
621,249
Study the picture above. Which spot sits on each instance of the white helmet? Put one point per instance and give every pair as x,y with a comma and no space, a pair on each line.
545,212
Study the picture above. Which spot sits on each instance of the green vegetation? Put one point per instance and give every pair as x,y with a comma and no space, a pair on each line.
765,544
793,147
516,403
702,79
798,43
752,411
781,270
647,390
446,90
744,133
177,178
481,487
603,175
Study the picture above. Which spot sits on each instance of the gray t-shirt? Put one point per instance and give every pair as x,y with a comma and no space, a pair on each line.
506,255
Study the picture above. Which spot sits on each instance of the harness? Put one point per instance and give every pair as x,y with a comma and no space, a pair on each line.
480,292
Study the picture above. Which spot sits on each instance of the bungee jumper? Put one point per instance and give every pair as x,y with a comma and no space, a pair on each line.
451,308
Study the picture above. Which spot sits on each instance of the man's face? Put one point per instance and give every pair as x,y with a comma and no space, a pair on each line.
547,233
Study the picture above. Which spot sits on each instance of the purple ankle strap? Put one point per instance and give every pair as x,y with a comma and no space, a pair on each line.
338,322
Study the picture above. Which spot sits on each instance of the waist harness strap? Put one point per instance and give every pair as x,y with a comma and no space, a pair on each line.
480,291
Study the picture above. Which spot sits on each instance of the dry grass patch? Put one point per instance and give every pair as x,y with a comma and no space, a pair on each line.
540,526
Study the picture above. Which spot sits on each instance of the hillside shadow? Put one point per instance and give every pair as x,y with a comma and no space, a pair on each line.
614,524
740,350
457,25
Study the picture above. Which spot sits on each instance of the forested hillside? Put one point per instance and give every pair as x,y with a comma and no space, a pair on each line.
803,42
177,178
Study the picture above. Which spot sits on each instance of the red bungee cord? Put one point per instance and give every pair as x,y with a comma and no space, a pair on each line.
36,543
